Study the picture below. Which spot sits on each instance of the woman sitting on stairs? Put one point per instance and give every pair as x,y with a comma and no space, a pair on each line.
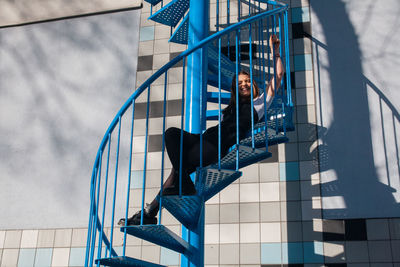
191,142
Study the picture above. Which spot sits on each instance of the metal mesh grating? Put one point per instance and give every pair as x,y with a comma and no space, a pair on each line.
172,13
158,234
185,209
180,35
247,156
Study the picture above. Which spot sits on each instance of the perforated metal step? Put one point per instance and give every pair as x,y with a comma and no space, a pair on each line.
211,181
185,209
213,81
172,13
228,69
259,137
247,156
180,35
160,235
125,262
153,2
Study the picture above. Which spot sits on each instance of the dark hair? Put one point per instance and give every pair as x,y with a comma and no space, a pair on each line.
232,102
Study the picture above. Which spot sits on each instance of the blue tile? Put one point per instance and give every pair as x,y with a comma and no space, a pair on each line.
300,14
26,257
137,179
302,62
289,171
43,257
169,257
77,257
292,252
313,252
147,33
271,253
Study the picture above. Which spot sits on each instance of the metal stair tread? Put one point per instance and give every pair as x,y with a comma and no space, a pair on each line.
171,13
210,181
186,209
180,35
160,235
126,261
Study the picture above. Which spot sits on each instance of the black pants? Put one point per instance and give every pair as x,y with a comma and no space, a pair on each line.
190,151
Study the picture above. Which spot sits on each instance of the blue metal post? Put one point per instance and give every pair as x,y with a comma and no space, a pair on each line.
195,100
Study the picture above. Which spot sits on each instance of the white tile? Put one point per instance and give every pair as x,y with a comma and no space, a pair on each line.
211,254
211,234
229,254
229,233
250,174
271,232
250,254
12,239
160,60
249,192
2,238
29,238
151,253
146,48
161,47
9,258
230,194
46,238
60,257
63,238
334,252
134,251
249,233
269,191
162,31
269,172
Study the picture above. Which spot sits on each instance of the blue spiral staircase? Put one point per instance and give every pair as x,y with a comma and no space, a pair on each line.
223,52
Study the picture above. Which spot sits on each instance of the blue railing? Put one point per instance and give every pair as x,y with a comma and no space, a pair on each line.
259,25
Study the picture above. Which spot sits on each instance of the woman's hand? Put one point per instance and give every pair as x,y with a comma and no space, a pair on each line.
274,43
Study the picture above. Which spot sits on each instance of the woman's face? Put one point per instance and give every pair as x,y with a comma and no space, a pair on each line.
244,86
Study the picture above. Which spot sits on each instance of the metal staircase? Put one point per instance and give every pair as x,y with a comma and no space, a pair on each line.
116,150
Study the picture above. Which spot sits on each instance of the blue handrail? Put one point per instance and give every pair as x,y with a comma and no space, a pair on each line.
94,222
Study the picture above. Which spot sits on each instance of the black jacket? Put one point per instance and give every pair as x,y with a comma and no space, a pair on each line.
228,127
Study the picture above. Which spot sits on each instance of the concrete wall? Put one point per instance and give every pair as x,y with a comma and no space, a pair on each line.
61,83
14,12
356,68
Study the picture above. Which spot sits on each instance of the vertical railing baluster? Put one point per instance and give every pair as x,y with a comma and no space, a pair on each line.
115,182
219,103
145,154
252,86
182,125
264,85
217,16
274,62
98,195
237,99
105,197
90,225
163,147
94,219
282,83
129,177
287,60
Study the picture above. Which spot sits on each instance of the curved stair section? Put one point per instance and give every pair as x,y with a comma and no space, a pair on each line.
102,248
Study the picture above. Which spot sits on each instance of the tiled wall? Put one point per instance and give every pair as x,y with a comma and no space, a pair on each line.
270,217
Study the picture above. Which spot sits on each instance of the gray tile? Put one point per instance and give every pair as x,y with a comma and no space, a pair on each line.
305,114
395,244
381,264
274,157
229,213
308,151
155,143
357,251
250,254
229,254
310,189
292,232
394,225
174,55
290,191
270,212
174,107
378,229
212,214
379,251
306,132
312,230
145,63
291,211
249,212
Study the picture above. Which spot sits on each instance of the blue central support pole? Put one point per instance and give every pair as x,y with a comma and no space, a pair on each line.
195,101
